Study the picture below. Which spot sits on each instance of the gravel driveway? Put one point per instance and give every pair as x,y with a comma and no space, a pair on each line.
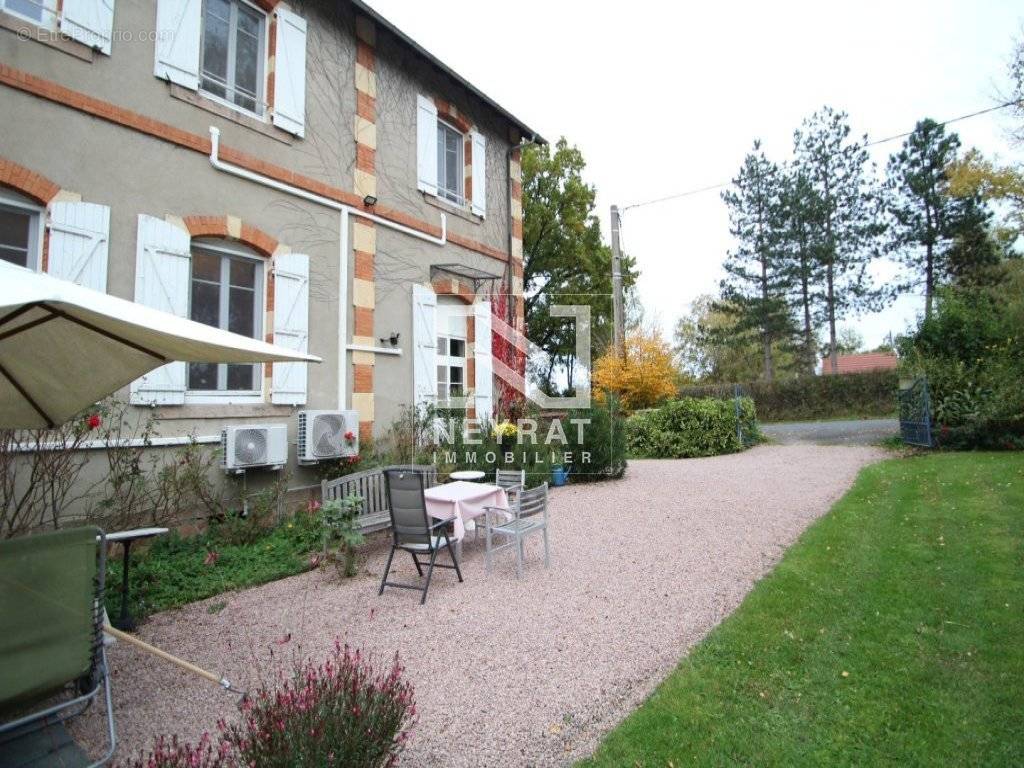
509,672
846,432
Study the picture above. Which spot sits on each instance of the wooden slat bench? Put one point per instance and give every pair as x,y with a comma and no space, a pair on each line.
370,484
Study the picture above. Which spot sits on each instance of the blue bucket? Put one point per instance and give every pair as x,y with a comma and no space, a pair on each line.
559,476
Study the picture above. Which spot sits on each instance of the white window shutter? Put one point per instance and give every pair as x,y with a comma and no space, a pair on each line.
79,239
163,267
484,383
178,25
89,21
291,326
424,342
426,145
479,161
290,73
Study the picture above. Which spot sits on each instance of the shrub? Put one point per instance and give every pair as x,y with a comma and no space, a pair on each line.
692,427
144,486
971,350
484,449
339,522
604,439
643,377
814,397
342,712
175,754
39,473
175,570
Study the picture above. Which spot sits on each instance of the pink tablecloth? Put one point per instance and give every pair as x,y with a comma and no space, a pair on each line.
462,501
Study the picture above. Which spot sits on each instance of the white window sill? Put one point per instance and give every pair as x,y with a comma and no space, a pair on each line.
446,205
223,412
47,34
223,398
232,112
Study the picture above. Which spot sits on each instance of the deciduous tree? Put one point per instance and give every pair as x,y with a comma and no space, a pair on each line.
644,377
565,261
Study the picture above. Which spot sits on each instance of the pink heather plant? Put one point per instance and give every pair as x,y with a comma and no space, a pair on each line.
342,712
179,755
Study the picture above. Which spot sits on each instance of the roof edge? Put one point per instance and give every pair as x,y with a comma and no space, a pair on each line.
377,18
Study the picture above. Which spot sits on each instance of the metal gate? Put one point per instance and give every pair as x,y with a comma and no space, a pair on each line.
916,414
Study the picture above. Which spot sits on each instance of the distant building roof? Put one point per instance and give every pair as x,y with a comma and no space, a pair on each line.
862,362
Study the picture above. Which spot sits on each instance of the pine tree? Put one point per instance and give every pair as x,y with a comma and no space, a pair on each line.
849,220
927,222
801,210
755,287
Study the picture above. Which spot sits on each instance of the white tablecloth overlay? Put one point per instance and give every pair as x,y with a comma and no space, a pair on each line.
462,501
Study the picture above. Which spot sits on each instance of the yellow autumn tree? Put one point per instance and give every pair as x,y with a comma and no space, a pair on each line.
645,377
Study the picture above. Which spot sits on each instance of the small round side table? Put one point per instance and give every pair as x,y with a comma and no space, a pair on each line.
125,621
471,475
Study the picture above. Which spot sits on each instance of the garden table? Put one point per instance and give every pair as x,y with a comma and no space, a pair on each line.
468,474
463,501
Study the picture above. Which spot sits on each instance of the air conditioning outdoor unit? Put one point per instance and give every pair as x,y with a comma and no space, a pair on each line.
327,435
254,445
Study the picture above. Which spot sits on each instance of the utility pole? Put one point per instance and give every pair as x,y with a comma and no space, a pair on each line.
618,337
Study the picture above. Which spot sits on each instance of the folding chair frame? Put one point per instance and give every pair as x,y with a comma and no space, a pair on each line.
66,710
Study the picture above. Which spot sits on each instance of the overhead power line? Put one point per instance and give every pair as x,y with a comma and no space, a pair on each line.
876,142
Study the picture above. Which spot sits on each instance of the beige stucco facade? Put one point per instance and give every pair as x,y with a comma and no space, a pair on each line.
96,126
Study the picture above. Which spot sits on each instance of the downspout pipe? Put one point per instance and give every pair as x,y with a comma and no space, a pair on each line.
343,235
510,309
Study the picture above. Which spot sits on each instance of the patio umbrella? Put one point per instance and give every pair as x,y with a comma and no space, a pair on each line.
64,347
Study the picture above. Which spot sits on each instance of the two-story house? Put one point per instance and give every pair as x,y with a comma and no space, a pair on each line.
300,171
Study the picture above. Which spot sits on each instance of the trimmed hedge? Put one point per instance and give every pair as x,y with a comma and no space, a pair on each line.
854,395
603,445
691,427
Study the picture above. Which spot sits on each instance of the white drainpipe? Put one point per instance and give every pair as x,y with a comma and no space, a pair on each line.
344,210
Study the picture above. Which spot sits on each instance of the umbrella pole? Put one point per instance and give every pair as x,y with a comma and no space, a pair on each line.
221,681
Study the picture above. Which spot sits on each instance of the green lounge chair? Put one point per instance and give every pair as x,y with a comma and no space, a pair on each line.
52,658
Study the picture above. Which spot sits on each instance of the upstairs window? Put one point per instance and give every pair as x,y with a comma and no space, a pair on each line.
20,231
226,290
38,11
450,168
232,53
451,159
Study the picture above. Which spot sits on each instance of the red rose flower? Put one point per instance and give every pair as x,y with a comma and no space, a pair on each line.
94,421
350,436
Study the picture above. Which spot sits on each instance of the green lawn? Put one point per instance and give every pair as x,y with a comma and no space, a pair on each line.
892,633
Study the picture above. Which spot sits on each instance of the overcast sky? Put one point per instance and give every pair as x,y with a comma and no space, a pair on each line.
666,97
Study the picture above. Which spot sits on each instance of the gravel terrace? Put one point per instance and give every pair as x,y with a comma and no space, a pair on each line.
509,672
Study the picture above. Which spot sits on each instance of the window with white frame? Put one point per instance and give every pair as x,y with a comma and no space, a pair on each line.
451,371
21,223
451,355
37,11
232,47
226,292
450,162
448,159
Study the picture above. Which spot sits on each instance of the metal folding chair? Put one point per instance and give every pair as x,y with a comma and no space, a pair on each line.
51,644
527,516
412,531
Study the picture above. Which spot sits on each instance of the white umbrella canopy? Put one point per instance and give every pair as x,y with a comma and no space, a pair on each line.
64,347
